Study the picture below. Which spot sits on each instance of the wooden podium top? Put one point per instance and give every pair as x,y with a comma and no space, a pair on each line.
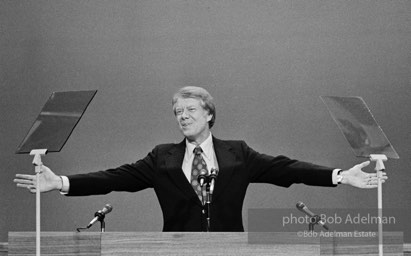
150,243
188,243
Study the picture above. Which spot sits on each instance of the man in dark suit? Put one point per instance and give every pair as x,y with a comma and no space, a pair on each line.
173,169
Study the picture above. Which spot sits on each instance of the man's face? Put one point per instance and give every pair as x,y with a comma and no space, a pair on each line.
192,119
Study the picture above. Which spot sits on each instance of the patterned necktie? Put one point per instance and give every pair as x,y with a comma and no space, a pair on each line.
199,165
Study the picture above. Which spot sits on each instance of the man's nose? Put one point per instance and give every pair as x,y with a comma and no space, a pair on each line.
184,115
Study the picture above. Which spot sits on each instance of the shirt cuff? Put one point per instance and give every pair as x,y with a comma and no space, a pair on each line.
334,176
66,185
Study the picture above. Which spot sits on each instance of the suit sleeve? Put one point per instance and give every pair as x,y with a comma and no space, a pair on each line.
129,177
283,171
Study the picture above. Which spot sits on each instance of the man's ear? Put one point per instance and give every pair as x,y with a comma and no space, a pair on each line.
209,117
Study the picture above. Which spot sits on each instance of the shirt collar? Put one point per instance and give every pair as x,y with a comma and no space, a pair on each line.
206,146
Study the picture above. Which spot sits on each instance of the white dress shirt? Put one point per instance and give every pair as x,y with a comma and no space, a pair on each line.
208,155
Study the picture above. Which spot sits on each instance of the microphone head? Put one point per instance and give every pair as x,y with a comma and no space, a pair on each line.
202,177
213,174
300,205
203,172
108,208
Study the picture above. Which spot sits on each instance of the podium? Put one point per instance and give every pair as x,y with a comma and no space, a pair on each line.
180,243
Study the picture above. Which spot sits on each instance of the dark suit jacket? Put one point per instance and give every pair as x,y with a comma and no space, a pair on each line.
239,165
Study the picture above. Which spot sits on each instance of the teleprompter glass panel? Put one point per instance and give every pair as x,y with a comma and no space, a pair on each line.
56,121
358,126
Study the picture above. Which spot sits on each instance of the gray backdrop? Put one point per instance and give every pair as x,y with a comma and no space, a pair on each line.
265,62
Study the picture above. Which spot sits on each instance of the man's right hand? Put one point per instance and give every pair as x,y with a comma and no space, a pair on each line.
48,181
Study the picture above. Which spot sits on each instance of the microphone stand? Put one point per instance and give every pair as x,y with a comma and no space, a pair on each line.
101,219
313,221
209,181
207,205
102,225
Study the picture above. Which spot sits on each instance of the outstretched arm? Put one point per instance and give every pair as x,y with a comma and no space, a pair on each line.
48,181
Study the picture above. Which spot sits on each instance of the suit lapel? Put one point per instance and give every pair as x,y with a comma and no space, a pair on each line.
225,158
174,162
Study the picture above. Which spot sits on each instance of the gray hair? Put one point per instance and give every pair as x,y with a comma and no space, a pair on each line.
206,100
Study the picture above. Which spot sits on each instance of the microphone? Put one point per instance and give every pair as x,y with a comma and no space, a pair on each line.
213,178
302,207
202,177
99,215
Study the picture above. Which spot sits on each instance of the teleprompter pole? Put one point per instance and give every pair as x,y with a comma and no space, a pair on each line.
379,168
37,153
